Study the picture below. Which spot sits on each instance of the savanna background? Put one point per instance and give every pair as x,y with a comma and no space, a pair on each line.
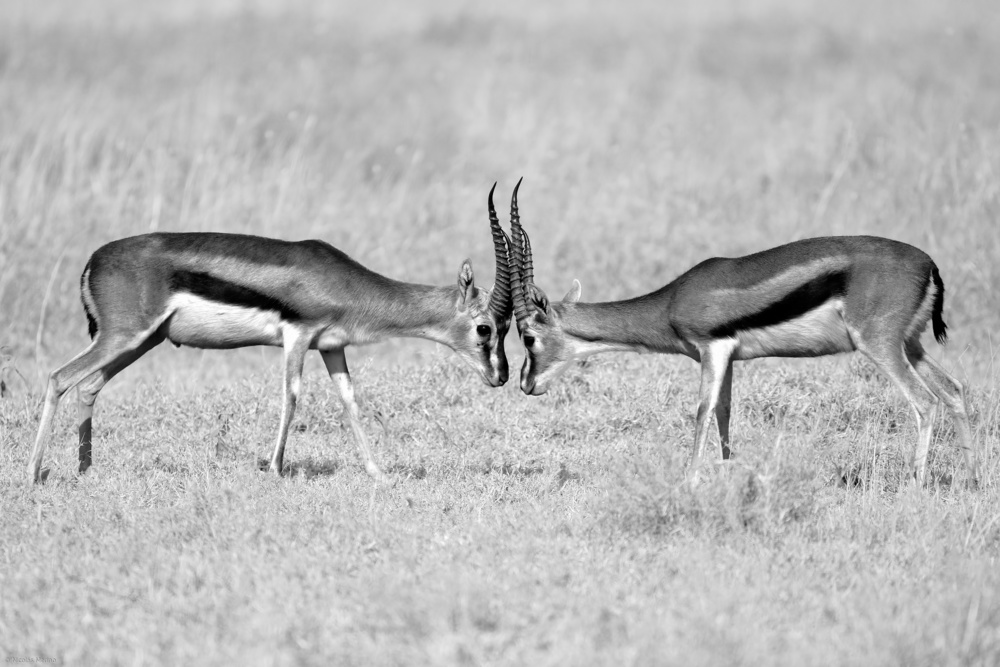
544,531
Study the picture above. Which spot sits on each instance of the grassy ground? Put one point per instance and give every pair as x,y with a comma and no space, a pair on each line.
521,531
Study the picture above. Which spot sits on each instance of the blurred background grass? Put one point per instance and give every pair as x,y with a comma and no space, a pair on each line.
650,138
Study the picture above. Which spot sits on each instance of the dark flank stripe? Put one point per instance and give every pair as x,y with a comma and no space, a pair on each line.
797,302
214,289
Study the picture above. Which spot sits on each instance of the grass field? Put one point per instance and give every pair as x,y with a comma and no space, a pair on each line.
542,531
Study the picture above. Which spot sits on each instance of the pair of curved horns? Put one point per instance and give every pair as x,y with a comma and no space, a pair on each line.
524,270
514,278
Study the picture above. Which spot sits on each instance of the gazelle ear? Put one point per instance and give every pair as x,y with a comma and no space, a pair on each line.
538,296
573,295
466,284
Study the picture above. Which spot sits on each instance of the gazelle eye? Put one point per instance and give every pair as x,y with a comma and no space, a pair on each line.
483,330
529,341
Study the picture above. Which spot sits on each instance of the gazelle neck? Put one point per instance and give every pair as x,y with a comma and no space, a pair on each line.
635,325
406,310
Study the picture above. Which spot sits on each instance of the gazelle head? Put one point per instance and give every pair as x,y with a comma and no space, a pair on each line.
483,316
548,350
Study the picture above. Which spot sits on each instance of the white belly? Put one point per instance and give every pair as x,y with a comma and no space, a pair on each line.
199,322
816,333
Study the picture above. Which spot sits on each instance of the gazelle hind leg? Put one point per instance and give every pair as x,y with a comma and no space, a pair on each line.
296,345
104,353
87,392
91,385
60,381
891,360
336,365
951,392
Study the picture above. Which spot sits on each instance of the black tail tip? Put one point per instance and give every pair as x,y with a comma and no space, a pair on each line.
940,331
937,321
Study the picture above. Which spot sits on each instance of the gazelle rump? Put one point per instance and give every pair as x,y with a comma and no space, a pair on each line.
808,298
211,290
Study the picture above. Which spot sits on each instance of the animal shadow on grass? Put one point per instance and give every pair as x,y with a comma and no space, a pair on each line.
308,468
491,467
407,470
528,469
861,477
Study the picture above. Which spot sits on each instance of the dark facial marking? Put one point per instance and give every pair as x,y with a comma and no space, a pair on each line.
799,301
214,289
484,353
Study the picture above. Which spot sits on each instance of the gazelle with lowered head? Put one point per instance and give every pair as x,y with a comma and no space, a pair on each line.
222,291
808,298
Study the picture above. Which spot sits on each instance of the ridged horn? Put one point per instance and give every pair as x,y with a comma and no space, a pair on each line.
500,302
529,266
522,305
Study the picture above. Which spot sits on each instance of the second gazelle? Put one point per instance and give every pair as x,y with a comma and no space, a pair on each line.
809,298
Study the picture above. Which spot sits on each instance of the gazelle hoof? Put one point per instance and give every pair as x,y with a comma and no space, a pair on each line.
39,476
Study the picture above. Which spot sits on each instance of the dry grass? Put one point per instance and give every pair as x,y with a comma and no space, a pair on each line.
540,531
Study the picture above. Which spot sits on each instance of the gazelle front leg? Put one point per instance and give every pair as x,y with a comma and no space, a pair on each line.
715,367
336,365
296,345
723,410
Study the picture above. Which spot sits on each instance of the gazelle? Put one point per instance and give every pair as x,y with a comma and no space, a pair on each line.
809,298
223,291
